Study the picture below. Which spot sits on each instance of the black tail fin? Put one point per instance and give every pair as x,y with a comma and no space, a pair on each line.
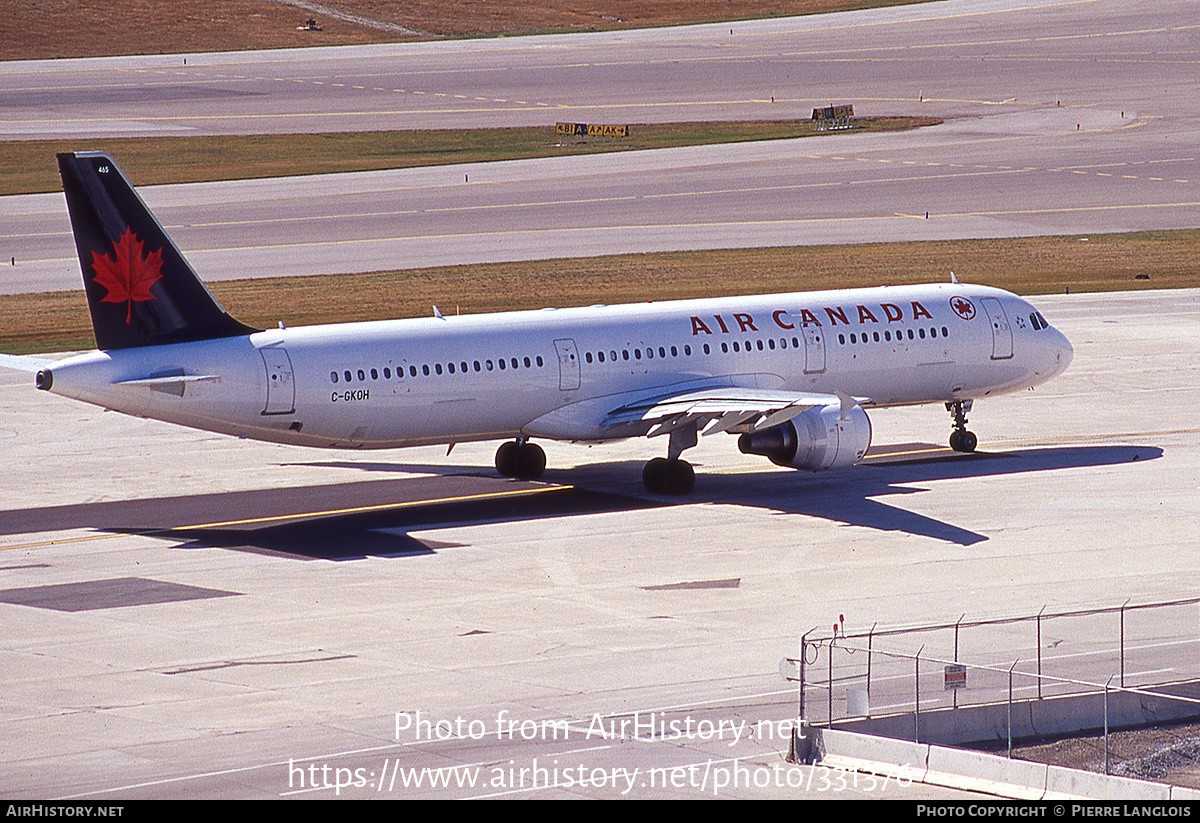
140,290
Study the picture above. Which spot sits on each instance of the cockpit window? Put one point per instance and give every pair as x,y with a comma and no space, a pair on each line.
1038,321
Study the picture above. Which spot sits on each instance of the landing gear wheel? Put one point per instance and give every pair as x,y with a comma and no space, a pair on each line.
963,441
530,462
663,476
524,461
506,459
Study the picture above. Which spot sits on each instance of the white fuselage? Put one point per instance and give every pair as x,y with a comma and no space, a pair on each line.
558,373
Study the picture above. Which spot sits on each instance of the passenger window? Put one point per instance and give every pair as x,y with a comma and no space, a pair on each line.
333,376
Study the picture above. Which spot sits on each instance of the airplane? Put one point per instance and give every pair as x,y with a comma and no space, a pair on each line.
791,375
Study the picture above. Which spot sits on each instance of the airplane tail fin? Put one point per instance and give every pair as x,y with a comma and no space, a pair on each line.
140,289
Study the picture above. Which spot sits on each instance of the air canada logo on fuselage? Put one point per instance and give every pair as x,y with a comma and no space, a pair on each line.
127,275
963,307
833,316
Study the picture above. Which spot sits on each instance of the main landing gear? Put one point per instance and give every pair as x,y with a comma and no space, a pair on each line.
961,440
664,476
520,459
670,475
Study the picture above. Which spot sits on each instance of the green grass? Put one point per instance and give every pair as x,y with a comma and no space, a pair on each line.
29,166
59,321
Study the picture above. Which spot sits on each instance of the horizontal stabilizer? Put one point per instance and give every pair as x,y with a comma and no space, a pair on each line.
169,383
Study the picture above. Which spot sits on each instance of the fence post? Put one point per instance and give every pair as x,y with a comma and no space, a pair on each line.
829,688
1123,605
1010,699
917,697
1039,652
954,694
1106,685
870,647
803,660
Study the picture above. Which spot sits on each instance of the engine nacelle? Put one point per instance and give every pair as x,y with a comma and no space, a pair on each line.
818,439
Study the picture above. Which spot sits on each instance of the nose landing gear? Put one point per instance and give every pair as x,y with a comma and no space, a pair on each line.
961,440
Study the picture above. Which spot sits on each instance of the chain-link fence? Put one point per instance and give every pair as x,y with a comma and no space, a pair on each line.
1130,650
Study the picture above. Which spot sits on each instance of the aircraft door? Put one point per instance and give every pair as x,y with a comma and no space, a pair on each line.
568,364
814,349
281,389
1002,342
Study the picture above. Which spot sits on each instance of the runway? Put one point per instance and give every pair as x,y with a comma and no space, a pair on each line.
1060,118
190,615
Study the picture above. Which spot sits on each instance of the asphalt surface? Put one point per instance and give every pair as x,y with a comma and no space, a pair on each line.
189,615
1060,118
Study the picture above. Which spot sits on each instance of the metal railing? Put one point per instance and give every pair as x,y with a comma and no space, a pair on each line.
1048,654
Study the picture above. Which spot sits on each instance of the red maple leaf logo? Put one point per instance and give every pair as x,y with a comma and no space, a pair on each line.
962,307
127,275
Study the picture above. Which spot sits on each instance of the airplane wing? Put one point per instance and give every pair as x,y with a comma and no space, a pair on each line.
722,409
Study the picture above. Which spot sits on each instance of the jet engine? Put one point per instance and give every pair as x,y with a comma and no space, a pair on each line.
818,439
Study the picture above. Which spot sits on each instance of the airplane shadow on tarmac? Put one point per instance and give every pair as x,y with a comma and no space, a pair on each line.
849,496
377,517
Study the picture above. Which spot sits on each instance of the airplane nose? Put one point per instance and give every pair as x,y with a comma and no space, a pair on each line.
1064,353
